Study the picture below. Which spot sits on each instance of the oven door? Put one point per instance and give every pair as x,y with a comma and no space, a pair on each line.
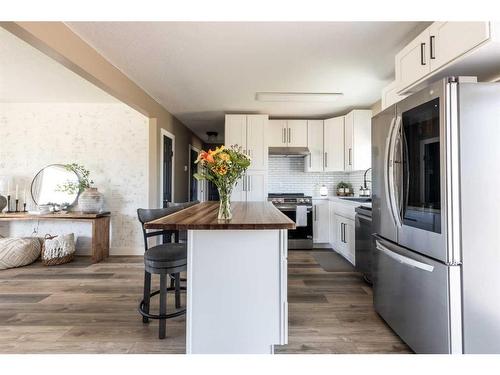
300,237
419,171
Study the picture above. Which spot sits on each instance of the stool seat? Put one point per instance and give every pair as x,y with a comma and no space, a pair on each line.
166,258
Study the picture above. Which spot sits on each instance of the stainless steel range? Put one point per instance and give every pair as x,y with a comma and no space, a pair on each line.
302,236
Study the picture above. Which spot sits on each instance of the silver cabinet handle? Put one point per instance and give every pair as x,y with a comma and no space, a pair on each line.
432,47
350,156
249,183
289,135
343,232
422,54
326,159
404,260
284,135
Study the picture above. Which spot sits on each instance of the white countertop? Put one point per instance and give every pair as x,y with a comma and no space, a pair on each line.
337,199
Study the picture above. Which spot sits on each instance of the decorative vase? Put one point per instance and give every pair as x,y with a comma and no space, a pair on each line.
224,204
91,201
3,202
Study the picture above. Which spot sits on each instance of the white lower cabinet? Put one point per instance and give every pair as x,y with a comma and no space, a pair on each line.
321,221
344,234
252,187
342,230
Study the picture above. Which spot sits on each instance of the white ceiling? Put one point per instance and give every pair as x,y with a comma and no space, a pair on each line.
28,75
201,70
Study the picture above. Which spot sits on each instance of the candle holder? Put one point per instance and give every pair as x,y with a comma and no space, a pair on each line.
17,205
8,205
24,207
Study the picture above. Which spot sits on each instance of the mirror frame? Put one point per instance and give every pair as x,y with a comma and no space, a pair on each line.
41,170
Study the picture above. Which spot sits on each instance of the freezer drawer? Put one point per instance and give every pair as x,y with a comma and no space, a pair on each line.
411,293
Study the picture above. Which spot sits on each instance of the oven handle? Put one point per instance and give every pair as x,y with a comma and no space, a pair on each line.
309,209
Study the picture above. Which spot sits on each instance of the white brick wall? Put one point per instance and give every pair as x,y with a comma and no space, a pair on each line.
286,175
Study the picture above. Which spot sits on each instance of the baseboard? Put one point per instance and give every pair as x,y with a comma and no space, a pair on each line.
119,251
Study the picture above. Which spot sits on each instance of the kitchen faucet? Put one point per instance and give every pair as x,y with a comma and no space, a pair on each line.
364,189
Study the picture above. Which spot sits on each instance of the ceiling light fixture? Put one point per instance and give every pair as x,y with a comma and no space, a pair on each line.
297,96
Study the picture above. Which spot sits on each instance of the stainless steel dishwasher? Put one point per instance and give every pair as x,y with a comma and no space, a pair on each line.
364,242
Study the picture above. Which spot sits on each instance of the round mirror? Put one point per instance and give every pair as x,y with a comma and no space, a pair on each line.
55,184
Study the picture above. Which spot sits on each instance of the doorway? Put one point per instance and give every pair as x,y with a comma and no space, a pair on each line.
167,167
194,184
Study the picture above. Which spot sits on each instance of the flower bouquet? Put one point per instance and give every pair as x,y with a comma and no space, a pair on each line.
224,167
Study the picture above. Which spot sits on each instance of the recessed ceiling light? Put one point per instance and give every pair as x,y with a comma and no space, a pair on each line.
297,96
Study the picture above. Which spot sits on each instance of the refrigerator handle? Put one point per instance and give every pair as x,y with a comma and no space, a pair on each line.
393,199
404,260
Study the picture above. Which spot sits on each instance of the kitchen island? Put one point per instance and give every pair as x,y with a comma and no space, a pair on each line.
236,277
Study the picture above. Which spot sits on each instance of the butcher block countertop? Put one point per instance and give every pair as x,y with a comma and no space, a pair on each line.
246,215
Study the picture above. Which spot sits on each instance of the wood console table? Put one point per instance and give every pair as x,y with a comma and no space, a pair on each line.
100,227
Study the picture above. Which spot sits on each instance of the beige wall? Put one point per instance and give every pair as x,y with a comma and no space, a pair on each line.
376,107
58,41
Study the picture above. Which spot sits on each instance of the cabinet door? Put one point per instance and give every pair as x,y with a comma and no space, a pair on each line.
297,133
412,63
236,130
257,147
349,238
348,141
321,221
333,144
277,133
449,40
314,161
360,125
239,193
256,187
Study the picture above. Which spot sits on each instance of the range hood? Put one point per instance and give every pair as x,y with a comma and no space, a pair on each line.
289,151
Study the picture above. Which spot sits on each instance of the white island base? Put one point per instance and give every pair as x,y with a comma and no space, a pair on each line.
236,291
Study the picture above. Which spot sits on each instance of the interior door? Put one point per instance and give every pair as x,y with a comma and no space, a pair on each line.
423,204
297,133
168,154
314,161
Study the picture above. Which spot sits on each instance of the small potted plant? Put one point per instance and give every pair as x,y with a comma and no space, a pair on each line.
341,186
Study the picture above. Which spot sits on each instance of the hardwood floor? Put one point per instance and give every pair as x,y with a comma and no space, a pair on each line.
92,308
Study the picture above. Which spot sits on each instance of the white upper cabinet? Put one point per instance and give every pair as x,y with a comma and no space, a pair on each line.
287,133
297,133
277,133
357,140
412,62
333,144
447,49
314,161
249,132
449,40
235,132
257,147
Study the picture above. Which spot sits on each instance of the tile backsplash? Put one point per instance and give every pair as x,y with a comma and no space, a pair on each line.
286,175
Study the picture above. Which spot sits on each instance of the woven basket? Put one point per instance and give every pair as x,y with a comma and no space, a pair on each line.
56,260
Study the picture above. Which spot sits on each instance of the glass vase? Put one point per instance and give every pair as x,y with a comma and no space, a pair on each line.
224,205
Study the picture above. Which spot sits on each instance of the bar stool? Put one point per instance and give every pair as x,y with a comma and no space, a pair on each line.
166,260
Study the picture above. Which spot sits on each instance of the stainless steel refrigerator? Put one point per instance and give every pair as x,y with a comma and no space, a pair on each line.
436,217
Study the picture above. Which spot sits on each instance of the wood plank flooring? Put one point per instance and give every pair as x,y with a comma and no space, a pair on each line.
92,308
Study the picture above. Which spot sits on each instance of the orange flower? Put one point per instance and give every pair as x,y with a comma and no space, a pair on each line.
205,156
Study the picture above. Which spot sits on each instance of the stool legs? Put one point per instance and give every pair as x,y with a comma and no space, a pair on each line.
177,290
146,297
163,305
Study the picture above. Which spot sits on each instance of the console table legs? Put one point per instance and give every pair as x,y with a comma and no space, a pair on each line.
100,238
